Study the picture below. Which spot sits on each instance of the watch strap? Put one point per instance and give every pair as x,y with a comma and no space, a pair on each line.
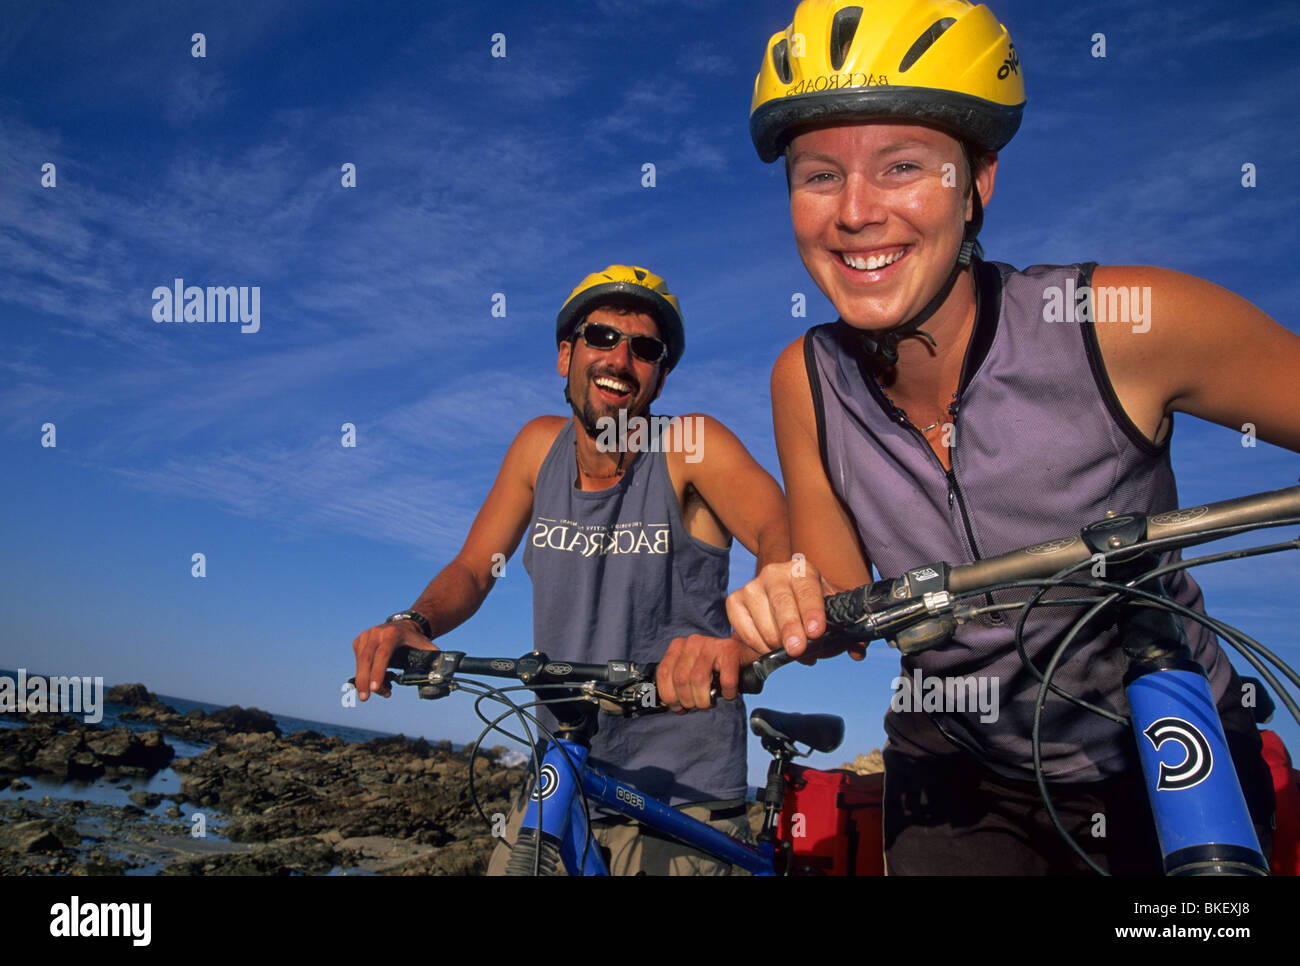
414,616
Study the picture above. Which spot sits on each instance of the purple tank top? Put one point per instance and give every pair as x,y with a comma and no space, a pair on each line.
616,576
1041,448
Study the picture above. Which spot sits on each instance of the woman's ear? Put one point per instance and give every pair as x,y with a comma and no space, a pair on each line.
984,177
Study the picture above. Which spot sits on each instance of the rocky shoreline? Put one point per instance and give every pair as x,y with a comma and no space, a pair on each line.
253,802
267,804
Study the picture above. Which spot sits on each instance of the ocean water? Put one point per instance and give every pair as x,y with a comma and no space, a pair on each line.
288,725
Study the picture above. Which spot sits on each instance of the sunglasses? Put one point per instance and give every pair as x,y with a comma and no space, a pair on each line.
597,335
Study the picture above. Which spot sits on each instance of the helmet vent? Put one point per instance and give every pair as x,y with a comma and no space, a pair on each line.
925,42
843,27
781,62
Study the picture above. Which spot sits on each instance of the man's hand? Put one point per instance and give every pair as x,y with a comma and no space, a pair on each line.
685,678
373,649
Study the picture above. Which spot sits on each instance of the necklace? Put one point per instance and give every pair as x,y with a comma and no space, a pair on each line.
899,415
618,471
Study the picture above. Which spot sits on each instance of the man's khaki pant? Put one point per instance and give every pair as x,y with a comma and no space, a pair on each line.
632,850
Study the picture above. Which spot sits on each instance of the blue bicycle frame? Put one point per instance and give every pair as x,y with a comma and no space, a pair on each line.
563,818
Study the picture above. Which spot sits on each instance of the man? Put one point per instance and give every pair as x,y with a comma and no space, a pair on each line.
946,417
627,535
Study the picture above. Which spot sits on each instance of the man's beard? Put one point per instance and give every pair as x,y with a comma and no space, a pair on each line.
586,414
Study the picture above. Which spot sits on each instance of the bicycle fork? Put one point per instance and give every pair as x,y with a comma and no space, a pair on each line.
1202,821
562,840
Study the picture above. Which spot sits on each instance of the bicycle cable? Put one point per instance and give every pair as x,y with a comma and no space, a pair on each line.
1131,591
544,731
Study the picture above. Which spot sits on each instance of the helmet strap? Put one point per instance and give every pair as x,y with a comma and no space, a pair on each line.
884,349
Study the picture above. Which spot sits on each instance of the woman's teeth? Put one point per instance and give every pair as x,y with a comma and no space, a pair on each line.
872,262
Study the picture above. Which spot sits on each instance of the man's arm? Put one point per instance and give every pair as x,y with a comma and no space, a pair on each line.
1204,351
748,503
740,493
459,589
782,606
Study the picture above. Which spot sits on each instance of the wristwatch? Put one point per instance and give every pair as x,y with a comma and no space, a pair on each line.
410,615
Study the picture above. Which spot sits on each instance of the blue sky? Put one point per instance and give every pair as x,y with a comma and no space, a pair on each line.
478,175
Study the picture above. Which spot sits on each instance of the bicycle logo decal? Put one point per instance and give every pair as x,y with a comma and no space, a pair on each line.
1051,546
548,783
1181,516
1197,762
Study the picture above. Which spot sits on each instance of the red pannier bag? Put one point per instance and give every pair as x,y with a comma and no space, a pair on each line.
833,820
1286,787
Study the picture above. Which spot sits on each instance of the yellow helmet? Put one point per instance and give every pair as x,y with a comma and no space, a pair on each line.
944,62
626,284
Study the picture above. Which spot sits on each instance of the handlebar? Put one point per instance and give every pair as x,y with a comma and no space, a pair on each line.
913,612
917,610
433,672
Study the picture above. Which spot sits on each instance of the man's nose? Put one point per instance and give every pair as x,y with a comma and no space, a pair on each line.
621,355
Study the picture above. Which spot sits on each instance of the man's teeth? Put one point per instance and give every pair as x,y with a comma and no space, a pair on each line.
872,262
613,385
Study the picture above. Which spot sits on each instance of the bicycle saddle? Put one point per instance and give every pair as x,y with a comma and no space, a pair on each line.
821,732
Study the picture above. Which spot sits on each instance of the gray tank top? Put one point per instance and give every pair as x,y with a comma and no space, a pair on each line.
616,576
1042,447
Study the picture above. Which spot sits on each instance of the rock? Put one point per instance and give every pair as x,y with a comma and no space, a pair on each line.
197,726
158,713
467,857
396,745
868,764
100,866
123,749
306,855
18,785
132,694
60,758
278,788
37,835
270,801
235,718
83,752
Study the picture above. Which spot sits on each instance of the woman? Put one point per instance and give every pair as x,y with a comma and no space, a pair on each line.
961,408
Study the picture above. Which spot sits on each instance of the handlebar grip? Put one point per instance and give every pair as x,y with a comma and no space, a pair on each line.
412,659
400,658
753,675
847,608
